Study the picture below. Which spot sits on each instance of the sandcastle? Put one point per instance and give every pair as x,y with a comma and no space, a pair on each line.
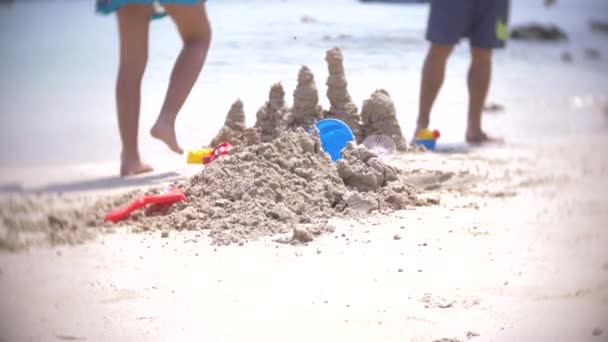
306,109
380,118
342,106
271,119
287,185
377,117
235,131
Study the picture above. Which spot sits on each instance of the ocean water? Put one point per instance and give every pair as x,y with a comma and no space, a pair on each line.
59,61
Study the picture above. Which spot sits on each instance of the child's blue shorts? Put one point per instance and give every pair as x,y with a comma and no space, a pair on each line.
484,22
110,6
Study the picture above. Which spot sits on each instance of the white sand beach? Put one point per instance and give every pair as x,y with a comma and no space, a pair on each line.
515,251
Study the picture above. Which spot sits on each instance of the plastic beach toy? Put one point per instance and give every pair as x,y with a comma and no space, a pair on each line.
174,195
427,138
382,145
196,156
429,144
219,152
334,134
207,155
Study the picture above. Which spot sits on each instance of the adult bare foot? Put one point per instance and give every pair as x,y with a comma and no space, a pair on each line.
479,138
134,167
164,130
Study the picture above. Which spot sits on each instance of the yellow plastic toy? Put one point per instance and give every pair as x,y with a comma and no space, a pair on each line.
196,156
427,138
427,134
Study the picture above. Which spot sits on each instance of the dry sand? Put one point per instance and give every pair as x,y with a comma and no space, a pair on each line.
514,251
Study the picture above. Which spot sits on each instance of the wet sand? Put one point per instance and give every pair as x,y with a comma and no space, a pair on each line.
515,251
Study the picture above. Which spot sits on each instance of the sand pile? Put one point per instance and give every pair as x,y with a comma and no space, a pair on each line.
342,106
271,119
375,185
235,131
361,169
288,185
306,109
260,190
51,219
380,118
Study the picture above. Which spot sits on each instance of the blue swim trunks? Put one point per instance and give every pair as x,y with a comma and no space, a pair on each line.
110,6
484,22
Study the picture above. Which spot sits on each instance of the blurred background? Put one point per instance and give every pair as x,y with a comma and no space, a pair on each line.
59,61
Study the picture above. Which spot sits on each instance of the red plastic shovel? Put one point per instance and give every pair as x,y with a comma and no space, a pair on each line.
169,198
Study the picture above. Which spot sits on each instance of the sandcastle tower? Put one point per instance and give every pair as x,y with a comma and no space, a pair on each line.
250,136
379,117
234,130
342,106
306,110
271,119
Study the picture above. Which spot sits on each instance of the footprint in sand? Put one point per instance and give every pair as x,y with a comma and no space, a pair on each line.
122,295
431,301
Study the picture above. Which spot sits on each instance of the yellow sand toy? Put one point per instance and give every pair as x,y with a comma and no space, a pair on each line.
427,138
196,156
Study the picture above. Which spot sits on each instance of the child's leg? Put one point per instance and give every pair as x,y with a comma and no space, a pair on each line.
195,31
133,24
433,73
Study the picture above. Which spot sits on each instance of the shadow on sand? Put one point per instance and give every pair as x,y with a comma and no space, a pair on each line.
103,183
454,148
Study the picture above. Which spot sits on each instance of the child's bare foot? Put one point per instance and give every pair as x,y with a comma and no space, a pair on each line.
164,130
133,167
481,137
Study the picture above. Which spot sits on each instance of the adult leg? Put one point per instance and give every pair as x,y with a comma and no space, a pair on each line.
433,73
448,22
133,26
195,31
489,31
479,76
